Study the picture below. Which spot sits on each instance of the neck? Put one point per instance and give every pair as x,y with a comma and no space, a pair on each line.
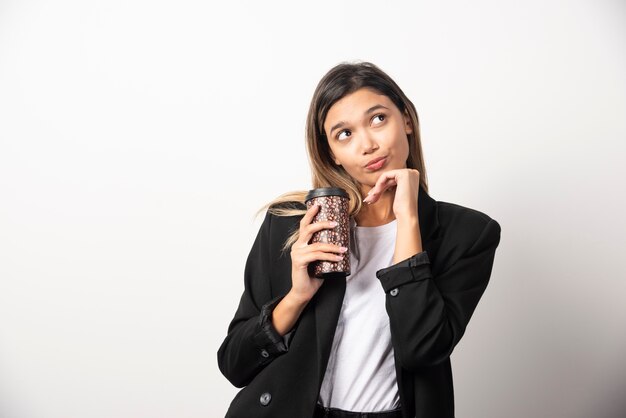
379,213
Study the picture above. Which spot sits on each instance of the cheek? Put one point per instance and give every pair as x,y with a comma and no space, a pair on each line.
402,145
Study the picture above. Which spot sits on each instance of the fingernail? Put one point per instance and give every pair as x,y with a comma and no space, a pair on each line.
343,249
333,224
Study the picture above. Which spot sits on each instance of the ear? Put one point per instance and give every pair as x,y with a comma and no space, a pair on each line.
408,127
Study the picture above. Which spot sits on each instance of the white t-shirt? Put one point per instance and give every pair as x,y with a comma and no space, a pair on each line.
361,375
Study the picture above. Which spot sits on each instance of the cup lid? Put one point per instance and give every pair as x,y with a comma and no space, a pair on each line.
326,191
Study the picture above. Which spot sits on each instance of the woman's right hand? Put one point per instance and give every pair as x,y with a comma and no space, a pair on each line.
303,286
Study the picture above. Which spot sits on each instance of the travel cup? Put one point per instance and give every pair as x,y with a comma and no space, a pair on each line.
334,206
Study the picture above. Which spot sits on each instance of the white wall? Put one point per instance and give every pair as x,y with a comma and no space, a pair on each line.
137,138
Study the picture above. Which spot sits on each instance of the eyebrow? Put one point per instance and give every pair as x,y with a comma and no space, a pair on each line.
368,111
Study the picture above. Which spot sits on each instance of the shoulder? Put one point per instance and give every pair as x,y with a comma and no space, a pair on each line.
282,218
289,205
466,228
452,213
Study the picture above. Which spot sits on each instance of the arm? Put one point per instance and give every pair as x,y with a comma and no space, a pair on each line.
255,335
428,315
286,313
252,341
408,238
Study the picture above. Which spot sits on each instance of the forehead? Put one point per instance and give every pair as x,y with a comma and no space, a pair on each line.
354,105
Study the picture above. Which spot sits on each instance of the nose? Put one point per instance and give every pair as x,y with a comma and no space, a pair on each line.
368,143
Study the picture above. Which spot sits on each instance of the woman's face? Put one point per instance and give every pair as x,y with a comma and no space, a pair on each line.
364,126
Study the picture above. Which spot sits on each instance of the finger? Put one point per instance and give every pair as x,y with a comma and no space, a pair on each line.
382,180
308,216
326,247
320,256
319,247
301,251
379,188
306,220
387,184
307,231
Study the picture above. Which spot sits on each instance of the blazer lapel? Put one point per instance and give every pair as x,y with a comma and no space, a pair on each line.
329,299
428,214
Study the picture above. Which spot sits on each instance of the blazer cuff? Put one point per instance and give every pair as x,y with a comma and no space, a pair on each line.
413,269
266,337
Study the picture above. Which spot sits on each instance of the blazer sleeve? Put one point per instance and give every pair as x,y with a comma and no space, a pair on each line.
428,315
252,342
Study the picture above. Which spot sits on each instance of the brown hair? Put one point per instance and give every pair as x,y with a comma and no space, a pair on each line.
342,80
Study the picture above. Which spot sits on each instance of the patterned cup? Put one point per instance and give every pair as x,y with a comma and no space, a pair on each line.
334,206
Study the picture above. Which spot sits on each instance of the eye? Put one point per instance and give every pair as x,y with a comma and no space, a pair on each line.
341,132
381,116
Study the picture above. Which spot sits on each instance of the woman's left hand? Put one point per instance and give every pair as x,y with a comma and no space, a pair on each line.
406,182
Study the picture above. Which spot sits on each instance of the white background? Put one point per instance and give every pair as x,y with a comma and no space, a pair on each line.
137,139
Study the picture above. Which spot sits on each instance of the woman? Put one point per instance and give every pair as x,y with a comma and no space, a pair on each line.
377,343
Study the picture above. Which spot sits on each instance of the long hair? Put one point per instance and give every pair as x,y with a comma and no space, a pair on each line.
342,80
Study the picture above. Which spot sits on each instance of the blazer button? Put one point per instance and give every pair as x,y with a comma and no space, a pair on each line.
264,353
394,292
265,399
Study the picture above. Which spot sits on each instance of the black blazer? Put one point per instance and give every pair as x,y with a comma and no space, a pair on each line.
430,299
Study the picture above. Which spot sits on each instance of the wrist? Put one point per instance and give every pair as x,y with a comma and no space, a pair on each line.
408,220
296,300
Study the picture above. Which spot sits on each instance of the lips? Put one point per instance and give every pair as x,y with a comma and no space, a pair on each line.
376,163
